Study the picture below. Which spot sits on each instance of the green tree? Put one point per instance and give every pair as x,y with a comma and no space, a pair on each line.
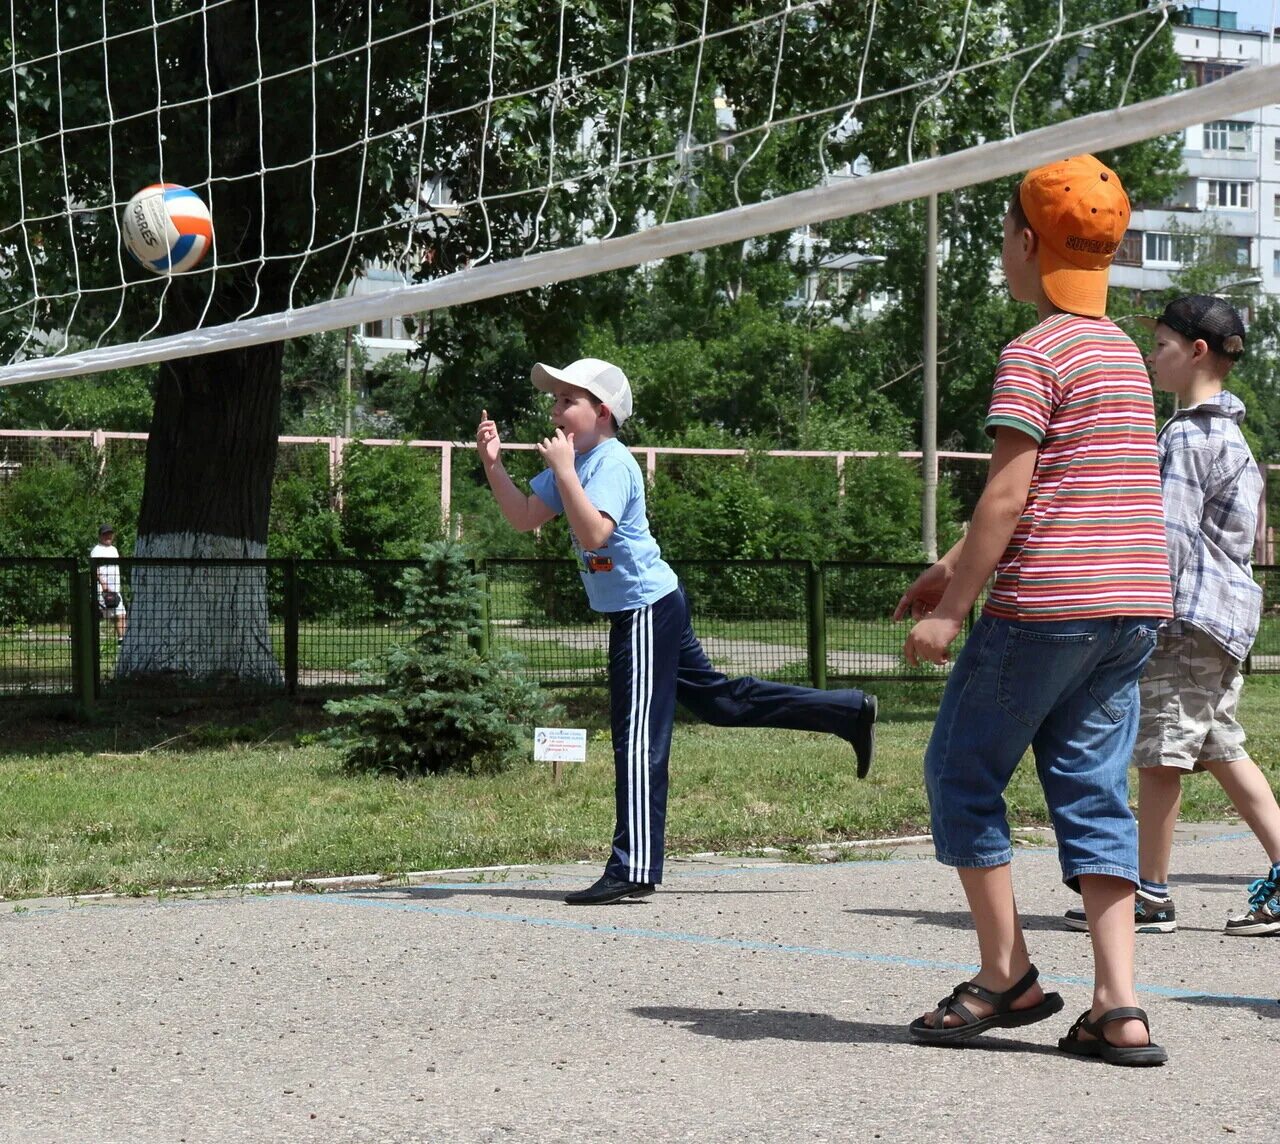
120,401
443,706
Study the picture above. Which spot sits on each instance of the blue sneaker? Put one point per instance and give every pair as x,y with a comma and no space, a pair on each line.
1150,915
1263,916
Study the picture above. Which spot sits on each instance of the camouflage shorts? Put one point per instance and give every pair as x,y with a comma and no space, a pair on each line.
1190,690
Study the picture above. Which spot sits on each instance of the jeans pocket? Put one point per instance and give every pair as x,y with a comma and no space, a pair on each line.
1037,666
1115,685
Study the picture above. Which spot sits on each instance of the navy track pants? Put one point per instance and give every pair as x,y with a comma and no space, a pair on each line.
655,662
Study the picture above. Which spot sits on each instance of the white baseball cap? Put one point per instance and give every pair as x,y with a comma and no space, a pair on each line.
599,378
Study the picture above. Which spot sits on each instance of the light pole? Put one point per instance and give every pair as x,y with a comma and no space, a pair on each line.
929,413
1239,284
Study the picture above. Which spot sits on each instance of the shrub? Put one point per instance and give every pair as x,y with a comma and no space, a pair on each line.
444,707
390,501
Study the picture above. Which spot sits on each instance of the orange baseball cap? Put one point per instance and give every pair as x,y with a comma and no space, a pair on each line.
1079,211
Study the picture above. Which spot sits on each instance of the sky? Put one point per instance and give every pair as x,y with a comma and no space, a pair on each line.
1249,13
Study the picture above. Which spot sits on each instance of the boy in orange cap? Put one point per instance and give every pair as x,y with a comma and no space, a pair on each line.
1072,525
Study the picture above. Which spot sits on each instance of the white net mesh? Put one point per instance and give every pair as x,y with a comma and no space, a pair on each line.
483,148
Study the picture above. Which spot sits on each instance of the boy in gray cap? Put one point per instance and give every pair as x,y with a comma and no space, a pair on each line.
1191,686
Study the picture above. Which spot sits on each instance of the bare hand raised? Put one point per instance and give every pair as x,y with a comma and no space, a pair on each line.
557,452
925,593
488,444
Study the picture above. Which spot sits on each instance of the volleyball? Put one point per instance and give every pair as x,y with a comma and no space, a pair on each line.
167,228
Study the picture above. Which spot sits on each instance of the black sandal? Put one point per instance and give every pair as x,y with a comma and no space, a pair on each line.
1004,1017
1148,1054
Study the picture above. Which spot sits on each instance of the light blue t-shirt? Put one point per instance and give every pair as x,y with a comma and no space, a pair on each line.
628,571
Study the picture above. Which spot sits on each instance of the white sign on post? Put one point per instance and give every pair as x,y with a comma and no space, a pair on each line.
560,745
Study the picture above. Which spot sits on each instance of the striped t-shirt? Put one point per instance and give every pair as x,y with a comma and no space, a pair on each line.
1090,541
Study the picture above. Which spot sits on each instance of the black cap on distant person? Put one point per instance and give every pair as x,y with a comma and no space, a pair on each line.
1204,317
103,529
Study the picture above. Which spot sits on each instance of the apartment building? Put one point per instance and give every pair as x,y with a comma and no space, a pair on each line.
1230,197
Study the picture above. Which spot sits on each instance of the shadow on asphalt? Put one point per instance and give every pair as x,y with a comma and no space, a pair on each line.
440,893
1239,880
435,893
953,919
1263,1008
786,1025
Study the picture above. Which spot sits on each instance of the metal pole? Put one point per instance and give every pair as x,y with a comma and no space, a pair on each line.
929,414
346,388
816,615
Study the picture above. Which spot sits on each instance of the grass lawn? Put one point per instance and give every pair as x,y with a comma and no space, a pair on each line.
146,799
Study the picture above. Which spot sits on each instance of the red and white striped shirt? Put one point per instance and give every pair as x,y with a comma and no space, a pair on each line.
1090,541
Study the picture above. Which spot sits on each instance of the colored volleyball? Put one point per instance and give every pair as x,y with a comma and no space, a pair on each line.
167,228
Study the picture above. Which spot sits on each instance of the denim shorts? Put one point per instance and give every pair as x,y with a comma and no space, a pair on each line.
1067,689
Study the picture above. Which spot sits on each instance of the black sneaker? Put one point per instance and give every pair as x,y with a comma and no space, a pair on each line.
1264,910
608,889
863,738
1150,915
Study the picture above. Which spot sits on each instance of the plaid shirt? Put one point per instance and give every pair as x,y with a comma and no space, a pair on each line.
1211,490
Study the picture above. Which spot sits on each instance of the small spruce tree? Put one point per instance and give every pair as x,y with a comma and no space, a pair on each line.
444,706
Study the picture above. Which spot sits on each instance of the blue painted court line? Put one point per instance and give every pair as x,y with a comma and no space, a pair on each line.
681,938
678,872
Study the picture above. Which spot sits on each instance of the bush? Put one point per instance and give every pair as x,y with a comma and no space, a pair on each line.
444,707
390,501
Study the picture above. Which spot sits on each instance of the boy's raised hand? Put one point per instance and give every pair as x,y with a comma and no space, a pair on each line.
925,592
557,452
929,641
488,444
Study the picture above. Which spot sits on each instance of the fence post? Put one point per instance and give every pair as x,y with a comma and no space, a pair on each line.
816,609
84,675
480,638
291,626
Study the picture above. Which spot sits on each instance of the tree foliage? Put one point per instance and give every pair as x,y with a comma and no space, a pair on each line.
713,340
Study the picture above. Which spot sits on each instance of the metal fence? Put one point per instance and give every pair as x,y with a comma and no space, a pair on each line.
304,627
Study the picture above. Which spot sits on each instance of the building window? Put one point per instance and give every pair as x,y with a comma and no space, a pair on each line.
1275,262
1229,194
1275,145
1229,135
1129,252
1169,249
1275,208
376,329
1201,72
1230,248
1209,70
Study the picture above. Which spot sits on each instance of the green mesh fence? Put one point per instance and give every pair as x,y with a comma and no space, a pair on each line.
304,627
1265,658
538,610
35,626
751,615
862,639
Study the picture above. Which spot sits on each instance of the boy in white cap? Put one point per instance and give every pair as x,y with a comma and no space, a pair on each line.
655,659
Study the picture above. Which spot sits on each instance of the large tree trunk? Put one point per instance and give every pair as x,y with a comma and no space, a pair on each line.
210,461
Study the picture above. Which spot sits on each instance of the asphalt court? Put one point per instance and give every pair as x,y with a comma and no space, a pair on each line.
749,1000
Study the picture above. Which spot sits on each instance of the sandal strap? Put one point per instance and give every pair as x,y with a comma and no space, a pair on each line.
1000,1002
1017,989
1122,1013
952,1004
1081,1022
